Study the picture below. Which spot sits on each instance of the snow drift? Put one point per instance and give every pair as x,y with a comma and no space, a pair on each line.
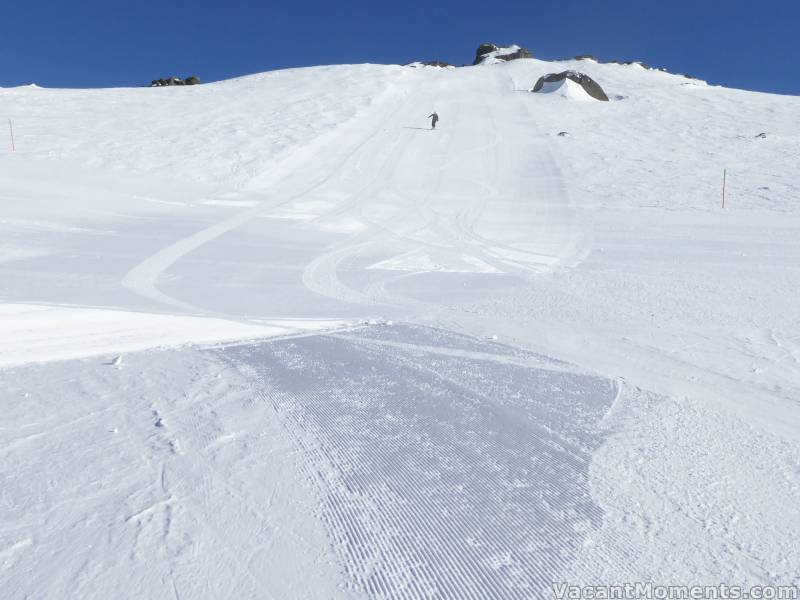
570,84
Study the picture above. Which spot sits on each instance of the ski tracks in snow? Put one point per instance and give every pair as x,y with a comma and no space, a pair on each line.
289,180
463,198
458,199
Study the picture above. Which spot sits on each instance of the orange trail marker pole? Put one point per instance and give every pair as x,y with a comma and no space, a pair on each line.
11,131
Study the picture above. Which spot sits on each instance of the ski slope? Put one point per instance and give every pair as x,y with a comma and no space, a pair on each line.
274,337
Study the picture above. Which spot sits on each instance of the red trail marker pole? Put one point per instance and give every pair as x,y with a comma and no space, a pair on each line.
724,178
11,131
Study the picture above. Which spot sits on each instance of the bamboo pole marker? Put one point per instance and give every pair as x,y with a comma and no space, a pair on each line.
11,132
724,181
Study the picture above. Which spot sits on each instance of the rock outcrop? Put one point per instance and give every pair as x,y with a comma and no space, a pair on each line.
431,63
492,53
589,85
193,80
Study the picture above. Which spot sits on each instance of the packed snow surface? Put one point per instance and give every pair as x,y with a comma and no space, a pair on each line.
274,337
35,333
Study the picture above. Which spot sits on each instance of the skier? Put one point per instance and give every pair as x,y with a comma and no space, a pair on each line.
434,118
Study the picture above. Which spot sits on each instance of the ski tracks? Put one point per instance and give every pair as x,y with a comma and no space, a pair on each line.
455,200
285,183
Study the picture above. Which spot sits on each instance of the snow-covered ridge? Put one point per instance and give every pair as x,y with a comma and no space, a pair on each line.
635,64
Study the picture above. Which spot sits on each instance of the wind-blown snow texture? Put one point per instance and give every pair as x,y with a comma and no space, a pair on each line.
492,357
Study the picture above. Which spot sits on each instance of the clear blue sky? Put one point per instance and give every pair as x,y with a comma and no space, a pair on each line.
748,44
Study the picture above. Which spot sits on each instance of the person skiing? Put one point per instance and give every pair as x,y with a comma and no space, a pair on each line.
434,118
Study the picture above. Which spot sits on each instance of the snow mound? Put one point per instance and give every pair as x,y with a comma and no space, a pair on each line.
31,333
572,85
566,88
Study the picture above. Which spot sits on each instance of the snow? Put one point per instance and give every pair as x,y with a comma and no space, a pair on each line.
566,88
155,479
38,333
274,337
461,448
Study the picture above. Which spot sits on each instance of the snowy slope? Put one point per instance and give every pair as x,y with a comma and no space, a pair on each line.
545,357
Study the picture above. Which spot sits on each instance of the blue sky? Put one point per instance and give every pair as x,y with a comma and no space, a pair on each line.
96,43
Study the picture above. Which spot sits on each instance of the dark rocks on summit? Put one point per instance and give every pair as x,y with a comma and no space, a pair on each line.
482,51
500,53
589,85
168,81
193,80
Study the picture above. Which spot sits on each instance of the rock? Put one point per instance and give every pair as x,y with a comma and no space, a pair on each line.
193,80
762,135
589,85
520,53
628,63
563,133
482,51
492,53
436,63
